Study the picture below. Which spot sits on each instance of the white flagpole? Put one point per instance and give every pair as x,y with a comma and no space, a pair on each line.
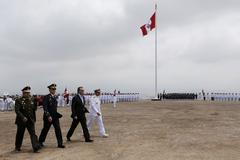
156,51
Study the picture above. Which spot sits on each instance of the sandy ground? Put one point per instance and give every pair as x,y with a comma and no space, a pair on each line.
170,130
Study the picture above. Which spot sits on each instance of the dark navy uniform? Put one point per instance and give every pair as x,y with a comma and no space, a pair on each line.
50,110
25,109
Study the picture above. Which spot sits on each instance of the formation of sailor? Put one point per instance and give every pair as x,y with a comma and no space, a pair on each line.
3,104
106,98
6,103
78,115
220,96
51,117
226,96
127,97
25,109
61,101
95,113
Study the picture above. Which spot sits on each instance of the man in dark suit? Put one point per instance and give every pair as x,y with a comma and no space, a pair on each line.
51,116
78,115
25,109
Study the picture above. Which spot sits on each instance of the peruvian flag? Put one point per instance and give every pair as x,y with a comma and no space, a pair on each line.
149,26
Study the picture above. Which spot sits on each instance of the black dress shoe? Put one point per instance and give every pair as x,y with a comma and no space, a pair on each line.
68,139
35,150
61,146
41,145
89,141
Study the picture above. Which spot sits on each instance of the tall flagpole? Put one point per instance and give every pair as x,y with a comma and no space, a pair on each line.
156,51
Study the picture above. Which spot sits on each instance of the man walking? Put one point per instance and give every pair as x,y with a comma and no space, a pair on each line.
25,109
51,117
78,115
95,113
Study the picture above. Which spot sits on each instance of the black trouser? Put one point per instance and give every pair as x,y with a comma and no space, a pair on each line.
20,133
75,122
46,127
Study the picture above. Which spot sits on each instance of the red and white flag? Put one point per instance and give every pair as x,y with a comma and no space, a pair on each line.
66,93
149,26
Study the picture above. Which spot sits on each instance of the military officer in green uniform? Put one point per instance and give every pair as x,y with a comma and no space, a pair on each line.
25,109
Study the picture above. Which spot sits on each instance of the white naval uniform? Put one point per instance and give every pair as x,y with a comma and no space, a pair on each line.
58,100
63,101
2,105
114,100
109,98
10,104
87,99
5,105
94,108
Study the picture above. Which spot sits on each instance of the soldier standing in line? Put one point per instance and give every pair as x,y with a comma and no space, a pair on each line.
204,96
114,98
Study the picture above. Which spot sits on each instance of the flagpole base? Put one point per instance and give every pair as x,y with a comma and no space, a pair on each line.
156,99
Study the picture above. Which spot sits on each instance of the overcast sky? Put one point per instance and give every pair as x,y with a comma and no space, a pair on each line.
98,44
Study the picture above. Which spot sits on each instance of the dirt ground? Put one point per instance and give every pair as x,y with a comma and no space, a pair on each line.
145,130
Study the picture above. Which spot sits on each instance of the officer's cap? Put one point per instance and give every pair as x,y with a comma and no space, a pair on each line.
26,89
52,86
97,90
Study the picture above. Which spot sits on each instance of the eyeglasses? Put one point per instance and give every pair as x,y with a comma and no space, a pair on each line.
53,88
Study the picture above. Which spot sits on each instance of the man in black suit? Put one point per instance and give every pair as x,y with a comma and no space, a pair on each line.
78,115
51,116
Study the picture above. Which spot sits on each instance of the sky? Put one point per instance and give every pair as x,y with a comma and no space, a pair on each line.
99,44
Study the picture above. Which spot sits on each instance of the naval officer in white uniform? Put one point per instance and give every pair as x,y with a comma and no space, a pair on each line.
95,114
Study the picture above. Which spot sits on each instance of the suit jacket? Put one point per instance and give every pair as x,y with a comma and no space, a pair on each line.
25,107
50,107
78,107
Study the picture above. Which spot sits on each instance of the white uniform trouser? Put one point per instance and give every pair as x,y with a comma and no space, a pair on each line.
4,106
90,121
62,102
1,105
114,101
